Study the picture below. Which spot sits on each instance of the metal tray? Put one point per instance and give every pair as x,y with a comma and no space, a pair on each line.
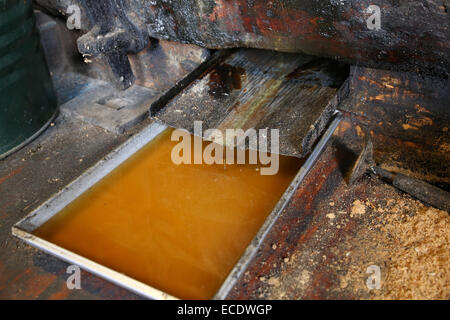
24,228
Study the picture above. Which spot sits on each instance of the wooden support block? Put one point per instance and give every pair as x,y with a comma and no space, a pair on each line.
408,116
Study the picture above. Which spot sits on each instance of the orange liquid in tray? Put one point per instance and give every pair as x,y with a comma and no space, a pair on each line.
180,229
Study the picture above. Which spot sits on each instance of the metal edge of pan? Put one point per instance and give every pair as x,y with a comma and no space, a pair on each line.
24,228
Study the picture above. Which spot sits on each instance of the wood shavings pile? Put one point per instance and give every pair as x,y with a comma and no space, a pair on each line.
419,268
410,242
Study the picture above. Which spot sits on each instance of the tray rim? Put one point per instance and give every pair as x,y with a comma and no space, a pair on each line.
49,208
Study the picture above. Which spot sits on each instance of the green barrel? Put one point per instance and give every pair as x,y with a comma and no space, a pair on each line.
27,99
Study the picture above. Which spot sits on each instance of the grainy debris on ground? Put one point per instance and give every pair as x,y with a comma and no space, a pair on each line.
370,224
358,208
411,245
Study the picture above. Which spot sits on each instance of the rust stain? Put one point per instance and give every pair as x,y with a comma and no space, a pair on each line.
391,84
411,144
380,97
421,122
343,127
295,22
359,131
395,141
391,81
416,124
397,95
34,284
444,147
62,293
225,78
308,234
22,274
12,174
318,286
227,12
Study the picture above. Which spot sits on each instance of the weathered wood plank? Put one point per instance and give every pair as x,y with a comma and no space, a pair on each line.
296,94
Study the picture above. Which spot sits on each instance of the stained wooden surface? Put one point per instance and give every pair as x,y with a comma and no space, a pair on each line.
408,117
413,35
258,89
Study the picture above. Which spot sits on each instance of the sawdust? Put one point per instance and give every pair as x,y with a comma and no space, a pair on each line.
358,208
274,281
331,216
422,258
409,242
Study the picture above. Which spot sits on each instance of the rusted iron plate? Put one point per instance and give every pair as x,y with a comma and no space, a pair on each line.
259,89
408,116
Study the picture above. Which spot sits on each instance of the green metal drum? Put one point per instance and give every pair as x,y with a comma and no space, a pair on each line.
27,99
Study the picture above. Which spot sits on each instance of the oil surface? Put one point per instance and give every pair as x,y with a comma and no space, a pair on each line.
180,229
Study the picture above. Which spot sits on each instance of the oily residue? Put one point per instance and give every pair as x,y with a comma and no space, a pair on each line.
224,79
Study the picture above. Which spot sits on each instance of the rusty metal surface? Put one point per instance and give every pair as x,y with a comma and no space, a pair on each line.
413,35
81,93
158,66
163,64
259,89
408,116
330,233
